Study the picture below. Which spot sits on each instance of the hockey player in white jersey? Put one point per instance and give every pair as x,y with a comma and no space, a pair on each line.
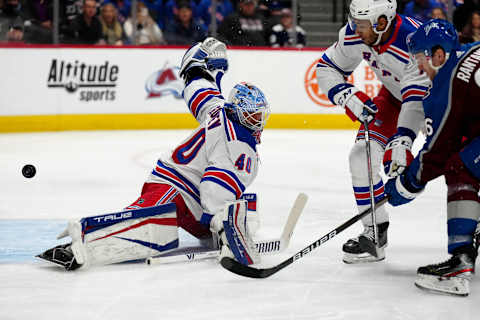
377,34
198,186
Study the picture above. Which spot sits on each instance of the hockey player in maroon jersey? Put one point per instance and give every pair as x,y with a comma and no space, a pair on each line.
452,149
198,186
377,34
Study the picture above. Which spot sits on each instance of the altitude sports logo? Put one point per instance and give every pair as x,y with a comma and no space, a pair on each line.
165,81
95,82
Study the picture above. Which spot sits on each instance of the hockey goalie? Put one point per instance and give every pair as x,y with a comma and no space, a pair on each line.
197,187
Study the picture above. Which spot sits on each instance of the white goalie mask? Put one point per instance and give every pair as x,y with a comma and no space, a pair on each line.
371,10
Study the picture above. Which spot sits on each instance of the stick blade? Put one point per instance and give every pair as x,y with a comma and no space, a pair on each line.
295,213
245,271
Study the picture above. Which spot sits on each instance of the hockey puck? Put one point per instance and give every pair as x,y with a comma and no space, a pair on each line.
29,171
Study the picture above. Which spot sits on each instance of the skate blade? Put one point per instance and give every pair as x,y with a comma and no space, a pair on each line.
350,258
453,286
50,261
371,247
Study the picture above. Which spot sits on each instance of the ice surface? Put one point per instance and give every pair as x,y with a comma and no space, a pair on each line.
89,173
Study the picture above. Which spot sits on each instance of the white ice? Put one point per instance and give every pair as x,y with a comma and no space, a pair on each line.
88,173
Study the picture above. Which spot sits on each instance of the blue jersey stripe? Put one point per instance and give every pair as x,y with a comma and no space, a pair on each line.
230,173
332,64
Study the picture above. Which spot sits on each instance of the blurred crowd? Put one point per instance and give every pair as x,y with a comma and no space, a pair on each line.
465,14
155,22
184,22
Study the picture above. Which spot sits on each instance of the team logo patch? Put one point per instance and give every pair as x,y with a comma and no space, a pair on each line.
165,81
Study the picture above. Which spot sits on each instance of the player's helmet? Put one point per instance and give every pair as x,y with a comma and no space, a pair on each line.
371,10
248,106
433,33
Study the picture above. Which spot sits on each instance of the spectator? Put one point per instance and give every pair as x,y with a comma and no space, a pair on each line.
438,13
39,14
401,5
69,10
281,35
155,7
245,27
224,9
421,9
463,12
11,21
86,28
123,8
111,28
184,29
169,11
471,31
147,30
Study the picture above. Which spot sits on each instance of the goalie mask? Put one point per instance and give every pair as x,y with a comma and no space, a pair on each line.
365,14
248,106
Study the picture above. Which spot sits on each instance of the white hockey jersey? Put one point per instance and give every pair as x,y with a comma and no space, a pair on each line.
389,61
216,162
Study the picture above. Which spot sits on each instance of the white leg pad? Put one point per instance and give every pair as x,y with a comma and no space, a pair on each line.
253,214
124,236
236,234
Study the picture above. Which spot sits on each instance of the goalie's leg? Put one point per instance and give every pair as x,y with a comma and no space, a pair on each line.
148,227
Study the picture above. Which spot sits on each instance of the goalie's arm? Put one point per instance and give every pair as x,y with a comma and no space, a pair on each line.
202,69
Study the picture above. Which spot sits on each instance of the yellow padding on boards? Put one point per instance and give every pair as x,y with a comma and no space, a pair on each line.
159,121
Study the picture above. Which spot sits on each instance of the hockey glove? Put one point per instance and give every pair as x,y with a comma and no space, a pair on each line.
210,56
356,103
398,154
234,238
402,190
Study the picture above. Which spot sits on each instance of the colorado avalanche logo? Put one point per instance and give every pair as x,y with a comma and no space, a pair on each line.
164,82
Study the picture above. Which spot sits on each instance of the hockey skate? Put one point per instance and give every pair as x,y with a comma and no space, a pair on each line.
450,277
61,255
363,249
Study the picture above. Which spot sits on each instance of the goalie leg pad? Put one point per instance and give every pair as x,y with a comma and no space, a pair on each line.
253,215
236,233
123,236
138,234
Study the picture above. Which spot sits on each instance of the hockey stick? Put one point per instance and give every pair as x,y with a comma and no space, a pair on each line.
264,247
373,250
246,271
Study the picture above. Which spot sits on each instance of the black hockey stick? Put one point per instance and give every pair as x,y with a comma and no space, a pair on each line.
246,271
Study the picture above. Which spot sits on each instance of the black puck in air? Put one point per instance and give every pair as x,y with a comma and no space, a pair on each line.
29,171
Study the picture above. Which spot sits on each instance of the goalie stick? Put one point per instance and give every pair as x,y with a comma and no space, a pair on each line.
264,247
246,271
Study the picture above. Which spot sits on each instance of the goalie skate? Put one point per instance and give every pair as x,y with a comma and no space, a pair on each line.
450,277
363,249
61,255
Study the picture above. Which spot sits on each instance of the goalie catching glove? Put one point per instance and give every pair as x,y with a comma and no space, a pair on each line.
207,59
398,154
234,239
356,103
